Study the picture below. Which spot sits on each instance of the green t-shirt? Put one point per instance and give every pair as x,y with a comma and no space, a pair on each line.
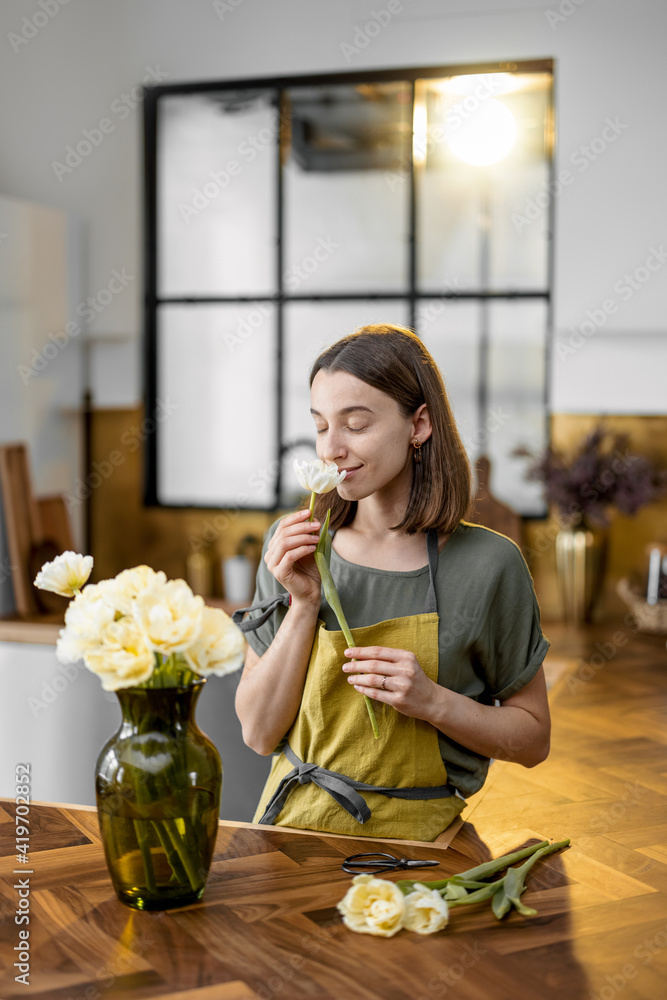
490,639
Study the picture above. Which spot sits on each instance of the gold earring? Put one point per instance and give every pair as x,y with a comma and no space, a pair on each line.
418,450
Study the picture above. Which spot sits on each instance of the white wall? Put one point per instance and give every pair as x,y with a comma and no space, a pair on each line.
609,56
40,377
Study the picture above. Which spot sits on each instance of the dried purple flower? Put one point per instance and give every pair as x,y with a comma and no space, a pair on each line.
602,473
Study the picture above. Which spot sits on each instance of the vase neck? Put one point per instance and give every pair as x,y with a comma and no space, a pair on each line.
145,709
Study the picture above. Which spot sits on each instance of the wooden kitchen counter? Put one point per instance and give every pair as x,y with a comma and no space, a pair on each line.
267,926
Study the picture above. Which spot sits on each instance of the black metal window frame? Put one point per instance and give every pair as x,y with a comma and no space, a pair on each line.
152,301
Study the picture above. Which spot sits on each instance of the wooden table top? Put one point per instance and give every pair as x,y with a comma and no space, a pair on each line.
267,926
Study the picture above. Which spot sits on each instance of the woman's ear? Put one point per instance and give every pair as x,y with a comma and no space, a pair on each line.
421,423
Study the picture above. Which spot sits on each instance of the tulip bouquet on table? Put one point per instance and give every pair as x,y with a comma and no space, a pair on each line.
323,477
140,629
158,780
381,907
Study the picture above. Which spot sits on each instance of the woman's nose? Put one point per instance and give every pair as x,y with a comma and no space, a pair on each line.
330,446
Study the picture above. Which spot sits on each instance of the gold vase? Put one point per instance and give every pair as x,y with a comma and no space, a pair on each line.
581,553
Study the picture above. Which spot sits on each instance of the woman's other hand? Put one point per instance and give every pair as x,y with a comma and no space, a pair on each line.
289,556
391,675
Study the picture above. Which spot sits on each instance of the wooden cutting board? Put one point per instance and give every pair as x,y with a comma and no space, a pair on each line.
37,529
491,512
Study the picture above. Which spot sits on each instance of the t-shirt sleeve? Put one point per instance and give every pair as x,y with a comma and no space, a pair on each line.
265,586
511,645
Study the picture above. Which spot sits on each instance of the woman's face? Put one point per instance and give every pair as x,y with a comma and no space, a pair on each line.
363,431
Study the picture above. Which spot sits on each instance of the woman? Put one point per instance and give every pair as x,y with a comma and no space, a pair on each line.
443,612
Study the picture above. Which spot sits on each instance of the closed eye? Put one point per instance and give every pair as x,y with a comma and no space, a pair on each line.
355,430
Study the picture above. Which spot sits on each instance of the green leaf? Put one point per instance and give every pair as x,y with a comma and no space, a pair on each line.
322,540
478,896
492,867
454,891
500,904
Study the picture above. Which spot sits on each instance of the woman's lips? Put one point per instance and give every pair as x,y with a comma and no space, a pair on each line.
350,472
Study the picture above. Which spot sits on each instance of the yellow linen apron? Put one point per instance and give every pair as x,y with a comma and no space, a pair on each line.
331,744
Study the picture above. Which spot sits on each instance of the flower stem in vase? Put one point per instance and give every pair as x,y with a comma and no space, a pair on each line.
177,868
184,851
143,840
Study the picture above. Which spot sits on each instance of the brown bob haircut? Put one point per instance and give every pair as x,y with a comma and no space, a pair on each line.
394,360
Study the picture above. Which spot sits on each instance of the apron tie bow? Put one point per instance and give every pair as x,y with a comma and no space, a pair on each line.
304,772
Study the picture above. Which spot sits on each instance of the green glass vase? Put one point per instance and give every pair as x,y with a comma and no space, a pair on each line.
158,782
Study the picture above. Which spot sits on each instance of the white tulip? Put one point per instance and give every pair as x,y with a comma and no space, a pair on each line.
425,910
220,648
170,615
318,476
66,574
373,906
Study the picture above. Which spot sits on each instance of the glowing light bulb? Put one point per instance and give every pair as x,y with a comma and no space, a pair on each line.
480,135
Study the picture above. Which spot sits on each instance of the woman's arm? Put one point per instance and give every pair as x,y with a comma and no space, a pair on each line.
516,730
271,686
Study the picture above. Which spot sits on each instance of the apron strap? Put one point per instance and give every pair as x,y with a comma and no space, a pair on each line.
267,606
344,790
432,548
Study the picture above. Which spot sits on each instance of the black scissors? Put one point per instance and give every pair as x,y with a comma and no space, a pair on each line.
361,864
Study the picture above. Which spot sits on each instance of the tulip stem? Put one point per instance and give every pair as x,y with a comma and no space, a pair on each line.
331,595
312,504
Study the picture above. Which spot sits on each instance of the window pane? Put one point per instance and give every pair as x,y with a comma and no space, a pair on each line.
311,327
346,188
470,211
216,370
216,167
516,412
450,330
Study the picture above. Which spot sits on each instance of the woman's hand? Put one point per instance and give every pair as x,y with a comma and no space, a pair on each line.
406,686
289,556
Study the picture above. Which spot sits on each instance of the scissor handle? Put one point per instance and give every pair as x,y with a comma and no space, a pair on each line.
358,864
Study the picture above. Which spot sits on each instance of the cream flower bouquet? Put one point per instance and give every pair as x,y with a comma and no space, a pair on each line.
158,779
140,629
